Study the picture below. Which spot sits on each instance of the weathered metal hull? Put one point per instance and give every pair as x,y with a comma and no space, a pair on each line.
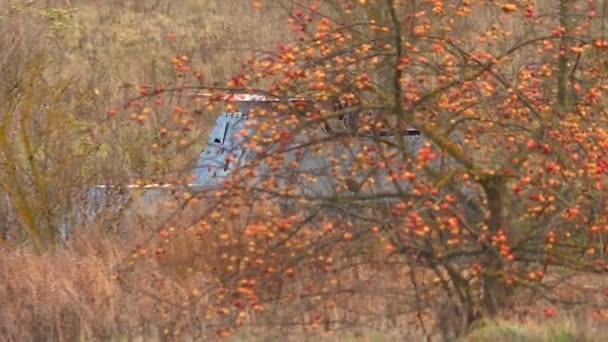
314,163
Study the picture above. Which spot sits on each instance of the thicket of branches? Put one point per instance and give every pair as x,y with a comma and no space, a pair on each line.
505,195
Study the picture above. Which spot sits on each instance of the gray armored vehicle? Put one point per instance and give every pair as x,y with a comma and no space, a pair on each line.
317,161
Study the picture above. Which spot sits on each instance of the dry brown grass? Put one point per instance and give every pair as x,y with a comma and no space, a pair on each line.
74,293
61,297
102,51
108,49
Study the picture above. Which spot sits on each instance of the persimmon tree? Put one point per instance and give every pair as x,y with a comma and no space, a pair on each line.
505,184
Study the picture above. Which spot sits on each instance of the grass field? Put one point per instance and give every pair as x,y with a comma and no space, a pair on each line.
107,50
73,295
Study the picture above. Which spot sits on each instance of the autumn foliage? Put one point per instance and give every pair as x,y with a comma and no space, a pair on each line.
507,191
